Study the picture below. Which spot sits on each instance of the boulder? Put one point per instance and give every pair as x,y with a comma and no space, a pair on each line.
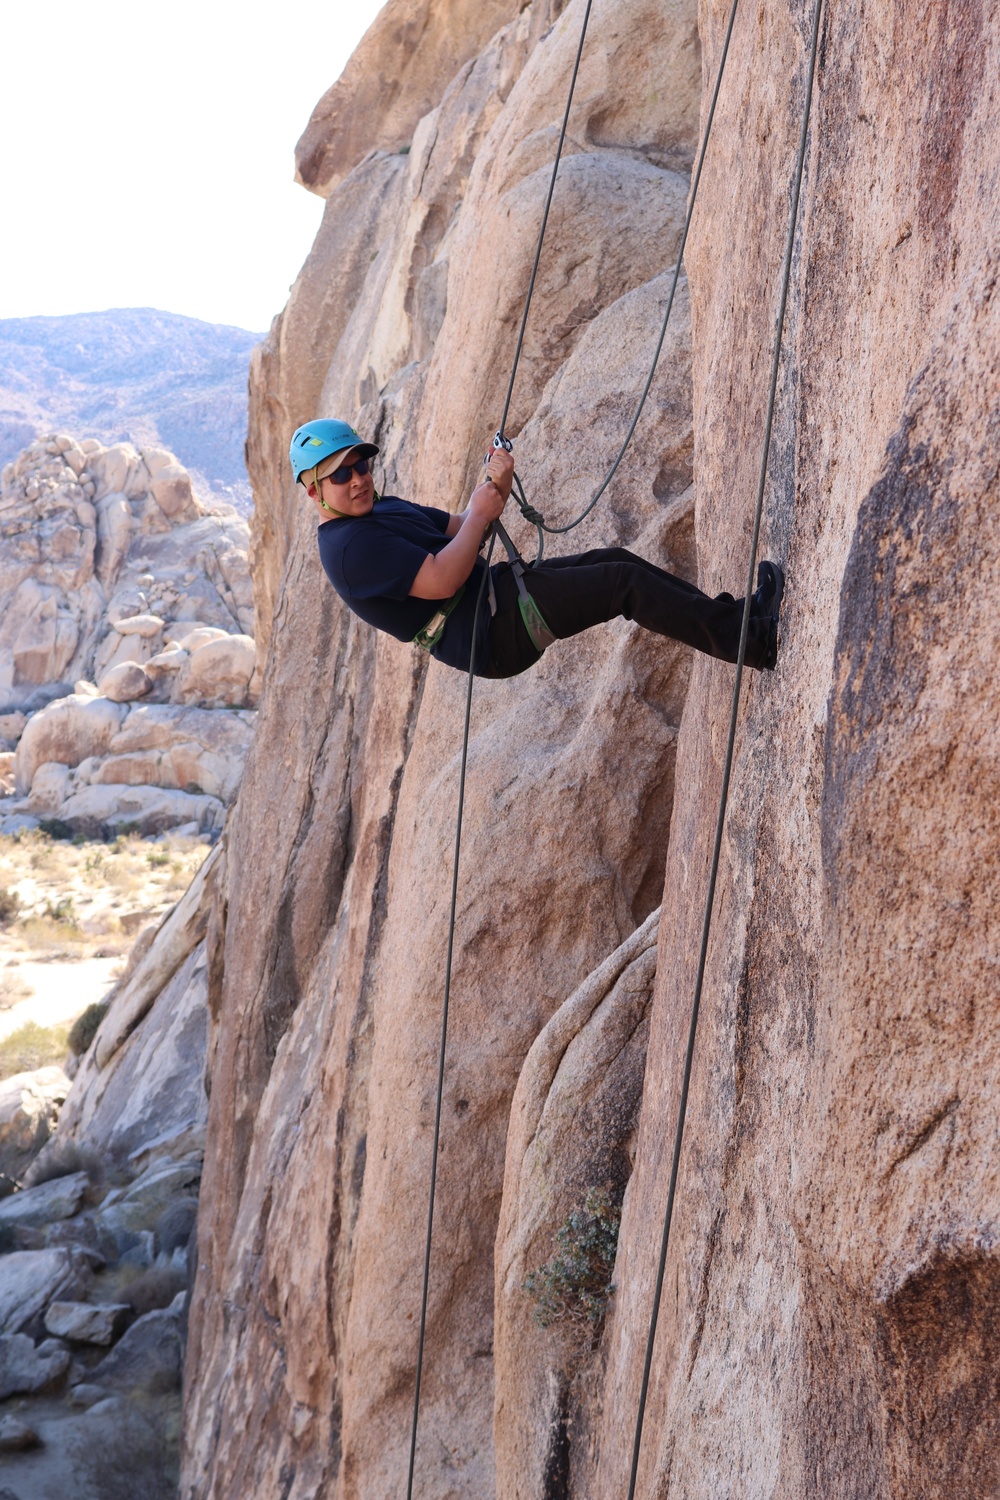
125,683
37,1206
50,786
86,1322
29,1108
99,810
145,625
148,1358
12,726
16,1436
67,730
25,1369
171,489
217,674
114,535
188,635
173,746
31,1280
165,663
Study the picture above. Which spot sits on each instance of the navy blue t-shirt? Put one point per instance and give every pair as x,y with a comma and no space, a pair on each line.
372,561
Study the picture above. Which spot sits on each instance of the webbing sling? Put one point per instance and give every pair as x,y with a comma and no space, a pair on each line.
432,632
534,624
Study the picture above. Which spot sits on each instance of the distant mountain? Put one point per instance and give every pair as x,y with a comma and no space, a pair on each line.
133,374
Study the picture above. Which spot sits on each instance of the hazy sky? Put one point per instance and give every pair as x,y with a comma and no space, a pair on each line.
147,151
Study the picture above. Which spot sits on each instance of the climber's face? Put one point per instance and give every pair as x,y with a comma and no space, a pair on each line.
355,495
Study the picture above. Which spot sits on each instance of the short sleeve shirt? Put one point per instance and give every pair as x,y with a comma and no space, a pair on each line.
373,560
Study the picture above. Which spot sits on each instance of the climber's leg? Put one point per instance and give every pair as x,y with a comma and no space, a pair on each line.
575,593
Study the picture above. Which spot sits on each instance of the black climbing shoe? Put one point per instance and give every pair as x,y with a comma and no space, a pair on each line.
765,606
766,600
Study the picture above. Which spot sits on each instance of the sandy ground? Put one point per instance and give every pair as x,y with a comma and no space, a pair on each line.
60,991
69,913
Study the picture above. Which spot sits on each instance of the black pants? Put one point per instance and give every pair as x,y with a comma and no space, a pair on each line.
574,593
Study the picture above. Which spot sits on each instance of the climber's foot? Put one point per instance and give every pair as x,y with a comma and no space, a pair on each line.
765,606
766,600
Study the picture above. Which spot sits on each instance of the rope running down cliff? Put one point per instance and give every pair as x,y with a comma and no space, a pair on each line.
730,746
528,511
539,522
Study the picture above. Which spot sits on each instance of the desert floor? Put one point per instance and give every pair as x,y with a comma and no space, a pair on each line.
69,913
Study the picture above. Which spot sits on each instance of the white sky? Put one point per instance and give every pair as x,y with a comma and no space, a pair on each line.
146,151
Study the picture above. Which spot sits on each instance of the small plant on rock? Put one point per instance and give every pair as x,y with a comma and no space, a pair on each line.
62,910
85,1027
575,1285
10,904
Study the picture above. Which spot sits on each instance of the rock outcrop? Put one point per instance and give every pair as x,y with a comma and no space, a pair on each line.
121,589
155,379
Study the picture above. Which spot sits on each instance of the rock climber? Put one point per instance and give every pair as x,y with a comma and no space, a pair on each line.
415,572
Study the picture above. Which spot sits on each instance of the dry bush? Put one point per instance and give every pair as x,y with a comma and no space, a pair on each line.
51,934
13,988
154,1289
62,1159
10,905
84,1028
32,1047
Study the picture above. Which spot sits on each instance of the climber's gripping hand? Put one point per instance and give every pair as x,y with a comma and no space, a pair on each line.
490,497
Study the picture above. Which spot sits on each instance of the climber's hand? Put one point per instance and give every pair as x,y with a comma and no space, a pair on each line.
500,469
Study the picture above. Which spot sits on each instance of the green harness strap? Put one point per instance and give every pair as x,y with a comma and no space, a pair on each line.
534,623
432,632
540,634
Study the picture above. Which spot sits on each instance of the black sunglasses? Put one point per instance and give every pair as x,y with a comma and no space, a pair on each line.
342,475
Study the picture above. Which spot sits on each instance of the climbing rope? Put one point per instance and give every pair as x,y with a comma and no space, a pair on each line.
730,748
538,521
528,511
462,774
444,1028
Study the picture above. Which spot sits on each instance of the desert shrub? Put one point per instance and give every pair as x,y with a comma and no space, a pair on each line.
84,1028
51,933
154,1288
575,1285
32,1047
56,828
62,910
10,905
13,988
62,1159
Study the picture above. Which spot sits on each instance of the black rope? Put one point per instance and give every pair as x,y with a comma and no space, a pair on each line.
534,516
545,220
730,748
461,784
444,1026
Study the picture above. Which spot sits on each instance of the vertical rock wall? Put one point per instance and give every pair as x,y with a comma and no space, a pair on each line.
832,1282
327,963
828,1308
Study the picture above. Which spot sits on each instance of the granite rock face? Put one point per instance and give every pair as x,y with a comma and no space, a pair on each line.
120,588
829,1307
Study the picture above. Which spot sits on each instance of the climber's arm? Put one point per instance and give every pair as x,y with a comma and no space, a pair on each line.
500,469
441,576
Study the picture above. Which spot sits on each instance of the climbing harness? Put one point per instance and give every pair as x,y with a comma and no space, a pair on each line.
432,632
531,616
730,749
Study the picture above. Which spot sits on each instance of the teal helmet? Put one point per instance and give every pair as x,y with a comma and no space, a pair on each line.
315,441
